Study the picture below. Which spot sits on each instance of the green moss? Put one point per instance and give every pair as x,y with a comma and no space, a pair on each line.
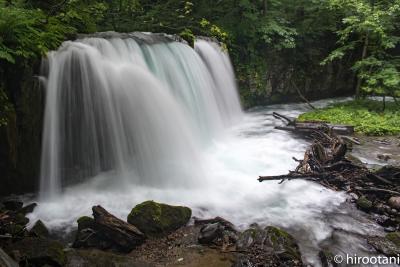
283,241
85,222
154,218
188,36
40,229
367,116
394,237
364,204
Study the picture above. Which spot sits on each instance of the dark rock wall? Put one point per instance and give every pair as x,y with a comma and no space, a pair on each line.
20,139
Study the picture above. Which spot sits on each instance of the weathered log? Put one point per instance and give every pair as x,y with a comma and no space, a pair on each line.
124,235
336,128
305,176
290,120
379,190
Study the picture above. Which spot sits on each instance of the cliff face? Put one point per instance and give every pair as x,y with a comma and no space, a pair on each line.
20,138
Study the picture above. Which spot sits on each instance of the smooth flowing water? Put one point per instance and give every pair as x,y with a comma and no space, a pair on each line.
128,121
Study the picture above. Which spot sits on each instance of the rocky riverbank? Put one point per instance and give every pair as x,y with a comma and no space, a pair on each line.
154,234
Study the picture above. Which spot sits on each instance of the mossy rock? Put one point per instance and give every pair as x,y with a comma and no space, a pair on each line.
155,219
39,251
283,243
20,219
394,237
270,243
327,259
85,222
364,204
40,229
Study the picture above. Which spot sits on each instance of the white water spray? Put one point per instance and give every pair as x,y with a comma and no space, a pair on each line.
139,110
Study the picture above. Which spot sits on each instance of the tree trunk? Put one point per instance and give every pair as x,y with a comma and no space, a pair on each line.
124,235
363,56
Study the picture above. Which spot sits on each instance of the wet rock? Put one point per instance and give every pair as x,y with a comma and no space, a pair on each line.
38,252
28,208
40,229
384,245
385,221
268,243
210,232
389,172
389,229
12,204
394,202
217,234
364,204
354,196
6,261
156,219
384,157
326,258
379,208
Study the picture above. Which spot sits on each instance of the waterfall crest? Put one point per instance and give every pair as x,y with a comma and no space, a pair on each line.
141,110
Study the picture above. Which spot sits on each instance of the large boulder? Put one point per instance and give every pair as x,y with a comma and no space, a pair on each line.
156,219
217,231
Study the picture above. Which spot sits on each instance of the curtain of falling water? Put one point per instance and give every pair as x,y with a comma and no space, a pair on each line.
142,111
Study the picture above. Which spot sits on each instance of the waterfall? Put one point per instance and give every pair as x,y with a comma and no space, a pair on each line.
140,108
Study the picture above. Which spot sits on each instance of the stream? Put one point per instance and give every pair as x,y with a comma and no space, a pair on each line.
317,217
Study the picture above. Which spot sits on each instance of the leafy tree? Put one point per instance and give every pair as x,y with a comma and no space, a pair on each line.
369,26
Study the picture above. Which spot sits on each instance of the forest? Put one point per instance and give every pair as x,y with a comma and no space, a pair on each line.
158,116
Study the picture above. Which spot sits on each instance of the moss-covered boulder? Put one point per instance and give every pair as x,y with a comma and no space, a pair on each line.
39,229
85,222
155,219
35,251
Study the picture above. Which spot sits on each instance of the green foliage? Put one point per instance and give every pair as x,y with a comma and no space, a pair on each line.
27,34
366,115
273,43
370,26
5,108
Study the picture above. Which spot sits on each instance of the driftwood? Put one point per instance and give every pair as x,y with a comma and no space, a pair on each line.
124,235
309,127
325,162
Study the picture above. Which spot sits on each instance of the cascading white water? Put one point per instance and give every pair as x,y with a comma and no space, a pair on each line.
136,116
138,109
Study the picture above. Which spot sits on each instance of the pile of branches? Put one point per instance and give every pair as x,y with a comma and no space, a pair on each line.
325,162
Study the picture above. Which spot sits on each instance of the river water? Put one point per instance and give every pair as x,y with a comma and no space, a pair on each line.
130,119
